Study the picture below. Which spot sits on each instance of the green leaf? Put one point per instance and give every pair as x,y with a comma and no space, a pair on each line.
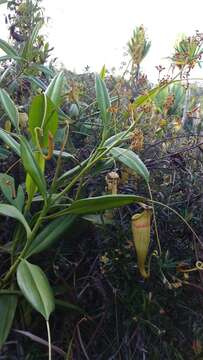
9,50
102,165
42,115
42,68
50,233
35,287
8,305
131,160
7,138
68,306
11,211
31,187
104,104
103,72
72,171
7,186
31,166
140,100
10,108
100,203
9,57
116,137
35,81
55,87
28,49
97,219
64,155
5,73
4,153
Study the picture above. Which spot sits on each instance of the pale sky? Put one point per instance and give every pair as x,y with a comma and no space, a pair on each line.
95,32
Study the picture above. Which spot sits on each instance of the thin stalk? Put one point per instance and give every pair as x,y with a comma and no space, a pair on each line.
15,241
10,292
155,222
58,165
183,220
79,188
12,166
45,112
49,337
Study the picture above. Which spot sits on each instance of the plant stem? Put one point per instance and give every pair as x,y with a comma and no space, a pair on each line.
155,222
58,165
10,292
183,220
15,241
92,162
49,338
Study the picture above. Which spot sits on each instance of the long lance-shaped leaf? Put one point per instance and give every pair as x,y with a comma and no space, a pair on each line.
10,108
51,233
100,203
35,81
31,166
8,305
131,160
12,211
28,50
116,137
9,57
103,72
140,100
104,104
4,153
55,87
8,140
42,68
31,187
35,287
7,186
9,50
72,171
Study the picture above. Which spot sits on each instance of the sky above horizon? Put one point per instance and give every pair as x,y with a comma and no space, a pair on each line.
94,32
